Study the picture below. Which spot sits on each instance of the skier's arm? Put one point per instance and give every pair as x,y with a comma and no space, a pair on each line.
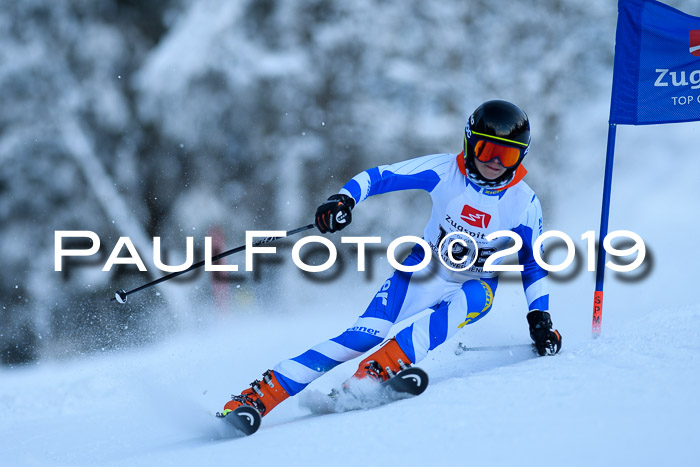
422,173
547,341
533,276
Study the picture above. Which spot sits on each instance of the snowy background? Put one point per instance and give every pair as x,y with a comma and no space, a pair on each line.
179,118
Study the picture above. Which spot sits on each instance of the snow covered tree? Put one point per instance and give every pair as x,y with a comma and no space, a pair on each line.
244,115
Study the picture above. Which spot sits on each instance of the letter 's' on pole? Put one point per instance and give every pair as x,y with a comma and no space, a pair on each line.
604,215
121,295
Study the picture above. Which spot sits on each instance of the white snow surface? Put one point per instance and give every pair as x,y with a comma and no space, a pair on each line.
627,398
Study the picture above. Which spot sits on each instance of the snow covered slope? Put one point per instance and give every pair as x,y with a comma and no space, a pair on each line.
628,398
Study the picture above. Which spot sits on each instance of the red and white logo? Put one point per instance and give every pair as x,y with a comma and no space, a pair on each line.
475,217
695,42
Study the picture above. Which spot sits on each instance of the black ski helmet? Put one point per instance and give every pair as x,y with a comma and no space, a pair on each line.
500,122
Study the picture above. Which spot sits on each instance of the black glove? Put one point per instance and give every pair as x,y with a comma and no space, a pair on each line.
335,214
547,342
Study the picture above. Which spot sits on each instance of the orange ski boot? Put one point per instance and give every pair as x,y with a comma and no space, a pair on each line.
263,395
384,363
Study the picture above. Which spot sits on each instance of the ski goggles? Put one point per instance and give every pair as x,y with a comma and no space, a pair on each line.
485,151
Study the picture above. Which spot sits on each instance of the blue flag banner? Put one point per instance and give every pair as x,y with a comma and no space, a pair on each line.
656,77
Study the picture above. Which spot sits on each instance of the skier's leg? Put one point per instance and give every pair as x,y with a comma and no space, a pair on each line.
398,295
404,293
464,306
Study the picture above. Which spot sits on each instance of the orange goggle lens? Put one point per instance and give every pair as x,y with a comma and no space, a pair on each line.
487,150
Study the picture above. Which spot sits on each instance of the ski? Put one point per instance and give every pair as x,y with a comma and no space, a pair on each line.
366,394
461,348
244,420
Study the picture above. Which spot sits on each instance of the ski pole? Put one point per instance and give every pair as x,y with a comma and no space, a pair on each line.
121,295
461,348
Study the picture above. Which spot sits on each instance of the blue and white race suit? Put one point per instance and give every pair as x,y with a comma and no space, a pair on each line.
454,298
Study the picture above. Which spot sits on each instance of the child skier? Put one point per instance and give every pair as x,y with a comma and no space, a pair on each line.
474,193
